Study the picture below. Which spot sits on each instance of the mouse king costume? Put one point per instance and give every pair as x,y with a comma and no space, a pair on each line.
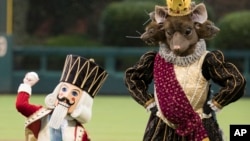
181,106
67,108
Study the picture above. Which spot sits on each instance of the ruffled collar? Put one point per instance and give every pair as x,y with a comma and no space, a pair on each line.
169,56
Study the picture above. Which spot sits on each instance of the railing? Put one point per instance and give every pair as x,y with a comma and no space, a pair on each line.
114,60
48,63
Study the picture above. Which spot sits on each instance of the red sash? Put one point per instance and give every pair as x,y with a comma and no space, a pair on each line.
173,102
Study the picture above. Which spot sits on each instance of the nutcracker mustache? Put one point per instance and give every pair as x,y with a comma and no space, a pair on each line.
66,100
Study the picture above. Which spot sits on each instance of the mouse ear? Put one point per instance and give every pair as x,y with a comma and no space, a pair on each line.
199,13
161,13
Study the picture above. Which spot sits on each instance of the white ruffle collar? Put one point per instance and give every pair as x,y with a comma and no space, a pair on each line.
169,56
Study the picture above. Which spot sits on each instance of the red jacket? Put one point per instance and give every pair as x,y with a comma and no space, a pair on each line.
33,122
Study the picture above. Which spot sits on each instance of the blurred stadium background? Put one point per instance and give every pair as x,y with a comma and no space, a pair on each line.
37,35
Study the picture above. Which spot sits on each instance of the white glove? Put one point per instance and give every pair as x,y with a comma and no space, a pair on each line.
31,78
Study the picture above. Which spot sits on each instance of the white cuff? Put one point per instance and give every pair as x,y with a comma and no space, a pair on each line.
212,106
24,88
151,105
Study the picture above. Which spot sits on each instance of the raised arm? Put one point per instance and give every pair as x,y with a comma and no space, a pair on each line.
24,92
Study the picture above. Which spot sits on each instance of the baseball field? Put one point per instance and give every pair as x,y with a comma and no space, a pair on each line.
115,118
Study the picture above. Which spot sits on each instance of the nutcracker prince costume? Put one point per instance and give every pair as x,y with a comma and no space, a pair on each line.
181,106
67,108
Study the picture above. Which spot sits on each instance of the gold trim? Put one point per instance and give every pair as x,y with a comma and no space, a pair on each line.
149,102
36,116
217,104
157,128
206,139
226,94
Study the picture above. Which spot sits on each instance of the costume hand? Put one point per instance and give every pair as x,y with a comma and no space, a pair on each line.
31,78
207,109
154,109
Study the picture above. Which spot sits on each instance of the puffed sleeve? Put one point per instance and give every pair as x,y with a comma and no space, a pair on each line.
23,106
138,78
22,101
227,76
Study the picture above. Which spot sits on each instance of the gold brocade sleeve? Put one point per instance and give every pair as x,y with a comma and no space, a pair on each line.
227,76
138,78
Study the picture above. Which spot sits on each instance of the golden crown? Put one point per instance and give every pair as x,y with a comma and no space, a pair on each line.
179,7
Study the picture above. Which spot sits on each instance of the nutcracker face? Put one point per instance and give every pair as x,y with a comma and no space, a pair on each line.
69,96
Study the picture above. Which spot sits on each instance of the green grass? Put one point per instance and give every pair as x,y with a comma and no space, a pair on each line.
114,118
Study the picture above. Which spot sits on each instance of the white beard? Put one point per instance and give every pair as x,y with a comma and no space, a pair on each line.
58,115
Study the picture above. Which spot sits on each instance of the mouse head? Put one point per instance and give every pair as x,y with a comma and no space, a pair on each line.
153,34
180,33
178,20
206,30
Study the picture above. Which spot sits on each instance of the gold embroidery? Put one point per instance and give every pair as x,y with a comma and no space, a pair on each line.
193,83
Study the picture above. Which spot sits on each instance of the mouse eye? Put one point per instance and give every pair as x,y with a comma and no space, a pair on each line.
151,31
169,33
188,31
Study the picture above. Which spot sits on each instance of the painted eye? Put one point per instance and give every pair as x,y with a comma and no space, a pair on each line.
188,31
64,89
74,93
